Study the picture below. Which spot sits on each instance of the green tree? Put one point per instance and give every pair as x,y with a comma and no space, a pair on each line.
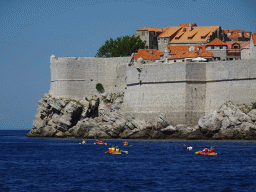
121,47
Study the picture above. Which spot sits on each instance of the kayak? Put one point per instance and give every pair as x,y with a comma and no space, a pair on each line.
82,143
117,153
203,153
126,144
100,143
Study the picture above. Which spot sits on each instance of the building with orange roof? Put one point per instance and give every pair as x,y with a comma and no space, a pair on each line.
184,34
218,48
234,49
237,35
149,34
186,56
179,48
148,54
236,40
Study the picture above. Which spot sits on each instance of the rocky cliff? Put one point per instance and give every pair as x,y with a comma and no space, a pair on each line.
102,117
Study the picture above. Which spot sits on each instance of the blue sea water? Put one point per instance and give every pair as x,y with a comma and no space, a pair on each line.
43,164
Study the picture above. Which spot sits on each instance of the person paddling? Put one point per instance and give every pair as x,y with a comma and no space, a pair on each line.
212,150
100,141
117,149
84,141
206,150
125,143
190,148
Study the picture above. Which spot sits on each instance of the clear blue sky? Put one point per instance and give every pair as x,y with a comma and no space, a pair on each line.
32,30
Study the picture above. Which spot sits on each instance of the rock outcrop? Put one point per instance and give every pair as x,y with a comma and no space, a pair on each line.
102,117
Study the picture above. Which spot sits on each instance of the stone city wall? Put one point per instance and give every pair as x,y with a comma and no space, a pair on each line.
186,91
77,77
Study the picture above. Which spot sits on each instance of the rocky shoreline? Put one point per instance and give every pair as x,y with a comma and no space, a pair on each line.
102,117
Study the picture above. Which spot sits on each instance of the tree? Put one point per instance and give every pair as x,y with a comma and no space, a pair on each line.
121,47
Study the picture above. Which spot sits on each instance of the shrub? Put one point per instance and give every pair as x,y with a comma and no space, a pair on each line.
99,87
254,105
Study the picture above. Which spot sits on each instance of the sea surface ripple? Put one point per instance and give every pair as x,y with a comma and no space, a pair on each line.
43,164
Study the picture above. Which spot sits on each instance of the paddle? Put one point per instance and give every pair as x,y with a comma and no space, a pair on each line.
125,151
185,145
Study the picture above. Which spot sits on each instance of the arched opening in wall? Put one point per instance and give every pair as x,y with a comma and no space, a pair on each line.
235,46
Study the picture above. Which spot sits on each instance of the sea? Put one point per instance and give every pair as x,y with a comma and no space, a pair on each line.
47,164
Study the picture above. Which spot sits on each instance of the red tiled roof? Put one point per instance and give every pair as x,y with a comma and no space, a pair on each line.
198,34
187,25
241,43
182,48
192,54
216,42
234,33
150,29
145,54
170,31
254,38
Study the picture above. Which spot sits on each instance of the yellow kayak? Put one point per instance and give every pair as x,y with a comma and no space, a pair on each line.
203,153
97,143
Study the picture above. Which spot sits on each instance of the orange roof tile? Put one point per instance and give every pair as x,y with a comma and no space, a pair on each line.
216,42
187,24
236,31
254,38
200,34
146,55
150,29
180,48
191,54
170,31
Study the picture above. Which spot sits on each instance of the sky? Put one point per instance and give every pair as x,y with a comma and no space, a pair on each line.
32,30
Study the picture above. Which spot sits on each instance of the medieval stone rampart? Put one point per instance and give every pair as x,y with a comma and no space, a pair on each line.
183,91
186,91
77,77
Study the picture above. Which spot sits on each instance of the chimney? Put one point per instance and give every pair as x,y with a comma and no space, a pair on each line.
190,27
151,51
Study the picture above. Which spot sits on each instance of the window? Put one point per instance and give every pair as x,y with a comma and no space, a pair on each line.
183,60
191,48
248,34
174,61
229,34
212,47
189,37
165,41
235,46
158,41
199,48
221,47
240,34
152,32
143,32
176,38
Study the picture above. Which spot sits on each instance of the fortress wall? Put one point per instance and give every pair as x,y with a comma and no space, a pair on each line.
195,92
230,81
162,91
186,91
77,78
